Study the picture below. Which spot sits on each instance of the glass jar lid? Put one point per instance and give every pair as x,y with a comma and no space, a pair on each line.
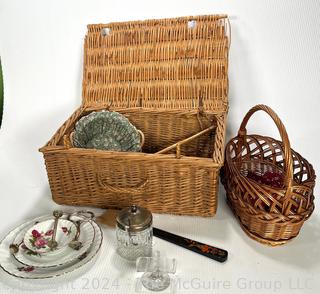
134,219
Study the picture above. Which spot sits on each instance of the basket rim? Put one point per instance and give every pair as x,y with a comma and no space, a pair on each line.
129,155
230,160
157,21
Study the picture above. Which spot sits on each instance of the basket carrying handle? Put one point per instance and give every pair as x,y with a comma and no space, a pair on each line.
137,189
288,161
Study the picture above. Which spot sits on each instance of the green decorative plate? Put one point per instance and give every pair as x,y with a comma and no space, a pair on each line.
107,130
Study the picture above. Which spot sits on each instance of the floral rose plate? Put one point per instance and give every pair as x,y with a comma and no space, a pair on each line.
38,236
14,268
55,258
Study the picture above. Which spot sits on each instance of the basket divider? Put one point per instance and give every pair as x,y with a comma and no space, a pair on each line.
184,141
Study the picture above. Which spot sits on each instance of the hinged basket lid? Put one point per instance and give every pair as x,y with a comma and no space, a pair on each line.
179,63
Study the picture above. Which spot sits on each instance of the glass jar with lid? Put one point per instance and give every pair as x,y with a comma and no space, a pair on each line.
134,232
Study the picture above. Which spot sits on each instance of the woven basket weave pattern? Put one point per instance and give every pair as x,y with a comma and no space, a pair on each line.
277,214
171,82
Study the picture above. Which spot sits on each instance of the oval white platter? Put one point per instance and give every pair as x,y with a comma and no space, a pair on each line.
55,258
38,235
14,268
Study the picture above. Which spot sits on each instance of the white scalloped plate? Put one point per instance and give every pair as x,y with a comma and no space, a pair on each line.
14,268
55,258
38,235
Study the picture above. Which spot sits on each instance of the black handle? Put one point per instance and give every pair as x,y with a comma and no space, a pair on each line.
212,252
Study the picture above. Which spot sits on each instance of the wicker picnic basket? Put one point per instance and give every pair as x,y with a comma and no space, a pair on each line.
268,214
169,78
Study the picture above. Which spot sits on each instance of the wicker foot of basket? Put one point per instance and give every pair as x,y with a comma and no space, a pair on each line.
268,242
255,237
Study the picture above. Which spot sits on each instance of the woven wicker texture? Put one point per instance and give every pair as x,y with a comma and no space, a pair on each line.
158,64
268,214
169,78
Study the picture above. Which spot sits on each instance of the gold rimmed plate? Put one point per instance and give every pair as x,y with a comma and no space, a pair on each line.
56,258
17,269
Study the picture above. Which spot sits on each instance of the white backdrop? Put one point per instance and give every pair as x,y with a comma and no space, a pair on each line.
274,59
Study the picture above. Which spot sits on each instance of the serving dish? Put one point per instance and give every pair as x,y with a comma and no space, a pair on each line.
106,130
55,258
38,236
15,268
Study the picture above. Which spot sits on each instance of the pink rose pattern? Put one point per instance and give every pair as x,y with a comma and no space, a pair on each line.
66,230
40,243
40,240
49,233
26,269
35,234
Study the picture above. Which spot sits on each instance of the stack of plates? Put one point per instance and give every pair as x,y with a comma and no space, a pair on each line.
24,252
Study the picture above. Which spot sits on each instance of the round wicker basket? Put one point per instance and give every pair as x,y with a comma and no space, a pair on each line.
268,214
